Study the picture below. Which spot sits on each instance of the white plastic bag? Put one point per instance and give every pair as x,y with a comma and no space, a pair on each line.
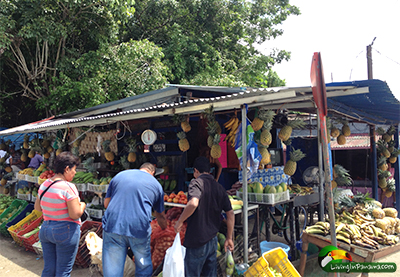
174,260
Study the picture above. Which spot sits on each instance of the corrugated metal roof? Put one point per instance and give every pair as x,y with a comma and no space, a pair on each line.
182,99
379,106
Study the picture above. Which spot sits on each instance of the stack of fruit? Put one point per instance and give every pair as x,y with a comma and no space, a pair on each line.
366,225
179,198
82,177
236,202
26,171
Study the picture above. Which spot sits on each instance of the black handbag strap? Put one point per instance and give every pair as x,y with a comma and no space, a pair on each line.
48,188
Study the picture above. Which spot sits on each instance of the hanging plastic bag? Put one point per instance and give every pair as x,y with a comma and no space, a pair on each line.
174,265
230,263
253,155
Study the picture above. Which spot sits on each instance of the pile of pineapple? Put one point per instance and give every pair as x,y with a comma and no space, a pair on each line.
387,153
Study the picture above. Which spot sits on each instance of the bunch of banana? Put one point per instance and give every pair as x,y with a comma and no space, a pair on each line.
232,125
27,171
296,188
319,228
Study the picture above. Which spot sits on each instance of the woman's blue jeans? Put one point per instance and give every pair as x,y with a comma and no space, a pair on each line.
115,249
60,241
202,261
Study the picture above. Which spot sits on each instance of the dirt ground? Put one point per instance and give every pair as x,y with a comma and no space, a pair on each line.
16,262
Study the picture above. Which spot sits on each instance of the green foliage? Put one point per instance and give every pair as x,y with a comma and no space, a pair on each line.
68,55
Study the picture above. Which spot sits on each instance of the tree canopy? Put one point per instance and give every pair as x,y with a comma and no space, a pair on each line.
65,55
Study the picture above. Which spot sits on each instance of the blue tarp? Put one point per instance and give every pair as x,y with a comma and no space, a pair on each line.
17,139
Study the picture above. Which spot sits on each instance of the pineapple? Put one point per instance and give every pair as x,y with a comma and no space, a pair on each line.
212,129
124,162
50,149
266,136
346,128
25,145
387,137
382,178
31,154
107,151
341,176
183,121
265,155
210,116
390,188
393,156
285,133
335,132
341,139
183,142
216,148
382,164
382,148
46,155
263,115
164,164
132,149
24,156
291,165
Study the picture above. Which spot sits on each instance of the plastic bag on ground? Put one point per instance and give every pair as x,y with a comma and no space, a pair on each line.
174,261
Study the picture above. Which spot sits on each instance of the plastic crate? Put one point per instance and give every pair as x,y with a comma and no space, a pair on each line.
15,229
94,213
33,199
10,213
83,258
32,179
23,196
266,198
278,260
29,208
81,187
37,246
28,242
97,188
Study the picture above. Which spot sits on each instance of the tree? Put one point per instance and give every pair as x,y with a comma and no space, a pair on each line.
212,41
43,44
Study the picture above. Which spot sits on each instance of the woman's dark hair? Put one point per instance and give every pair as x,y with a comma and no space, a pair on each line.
202,164
63,160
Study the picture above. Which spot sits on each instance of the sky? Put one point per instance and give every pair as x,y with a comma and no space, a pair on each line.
341,31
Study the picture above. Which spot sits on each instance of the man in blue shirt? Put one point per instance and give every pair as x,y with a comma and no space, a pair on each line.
130,198
36,161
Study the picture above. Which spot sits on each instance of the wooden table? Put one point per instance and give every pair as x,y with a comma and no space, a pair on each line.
358,254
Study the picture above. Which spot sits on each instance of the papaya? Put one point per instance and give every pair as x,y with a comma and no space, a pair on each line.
272,190
279,189
267,188
284,186
258,187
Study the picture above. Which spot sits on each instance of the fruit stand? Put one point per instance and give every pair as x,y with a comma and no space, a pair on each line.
158,131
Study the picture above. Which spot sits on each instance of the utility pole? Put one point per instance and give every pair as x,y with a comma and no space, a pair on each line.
369,59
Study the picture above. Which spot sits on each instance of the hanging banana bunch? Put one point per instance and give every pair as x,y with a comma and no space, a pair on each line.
232,125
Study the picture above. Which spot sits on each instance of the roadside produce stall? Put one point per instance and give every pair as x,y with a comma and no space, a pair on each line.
153,127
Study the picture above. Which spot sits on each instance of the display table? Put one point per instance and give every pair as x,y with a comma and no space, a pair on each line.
358,254
251,207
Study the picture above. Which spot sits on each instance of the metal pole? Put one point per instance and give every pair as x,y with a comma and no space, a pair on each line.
396,167
374,164
321,213
244,178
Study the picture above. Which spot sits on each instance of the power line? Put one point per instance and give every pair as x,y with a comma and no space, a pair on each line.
387,57
351,70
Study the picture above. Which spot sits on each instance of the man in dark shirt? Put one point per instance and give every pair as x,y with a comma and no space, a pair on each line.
207,199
